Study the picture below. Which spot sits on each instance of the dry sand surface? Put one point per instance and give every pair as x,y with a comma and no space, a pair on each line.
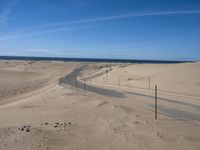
38,114
174,78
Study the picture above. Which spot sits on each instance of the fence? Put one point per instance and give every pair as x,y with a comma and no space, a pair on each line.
80,85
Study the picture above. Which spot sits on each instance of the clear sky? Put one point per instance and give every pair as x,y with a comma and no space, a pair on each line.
126,29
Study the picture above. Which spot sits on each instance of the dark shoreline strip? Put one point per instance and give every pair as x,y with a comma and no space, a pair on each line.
91,60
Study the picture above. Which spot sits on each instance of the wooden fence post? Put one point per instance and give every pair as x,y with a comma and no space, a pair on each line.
156,117
85,85
149,83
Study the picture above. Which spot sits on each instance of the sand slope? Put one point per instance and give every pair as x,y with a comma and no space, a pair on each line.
176,78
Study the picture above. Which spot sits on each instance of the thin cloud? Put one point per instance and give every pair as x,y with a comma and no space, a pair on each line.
49,31
45,52
4,16
40,50
108,18
124,16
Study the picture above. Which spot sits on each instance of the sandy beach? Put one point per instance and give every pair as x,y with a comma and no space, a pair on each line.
38,112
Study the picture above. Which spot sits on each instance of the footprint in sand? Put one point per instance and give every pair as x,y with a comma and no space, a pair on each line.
25,128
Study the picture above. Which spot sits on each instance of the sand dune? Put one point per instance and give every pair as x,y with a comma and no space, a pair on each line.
175,78
50,116
21,77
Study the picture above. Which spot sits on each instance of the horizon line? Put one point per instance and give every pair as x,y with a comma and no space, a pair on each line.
93,58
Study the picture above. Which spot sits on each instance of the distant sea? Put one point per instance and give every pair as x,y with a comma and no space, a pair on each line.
89,60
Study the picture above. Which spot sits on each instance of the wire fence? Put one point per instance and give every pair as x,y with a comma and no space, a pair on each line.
85,85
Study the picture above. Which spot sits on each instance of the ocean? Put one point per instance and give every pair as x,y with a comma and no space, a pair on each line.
90,60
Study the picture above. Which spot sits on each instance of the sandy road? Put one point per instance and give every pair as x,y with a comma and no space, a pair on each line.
72,80
175,106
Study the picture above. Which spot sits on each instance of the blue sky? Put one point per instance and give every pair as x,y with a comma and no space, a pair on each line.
126,29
